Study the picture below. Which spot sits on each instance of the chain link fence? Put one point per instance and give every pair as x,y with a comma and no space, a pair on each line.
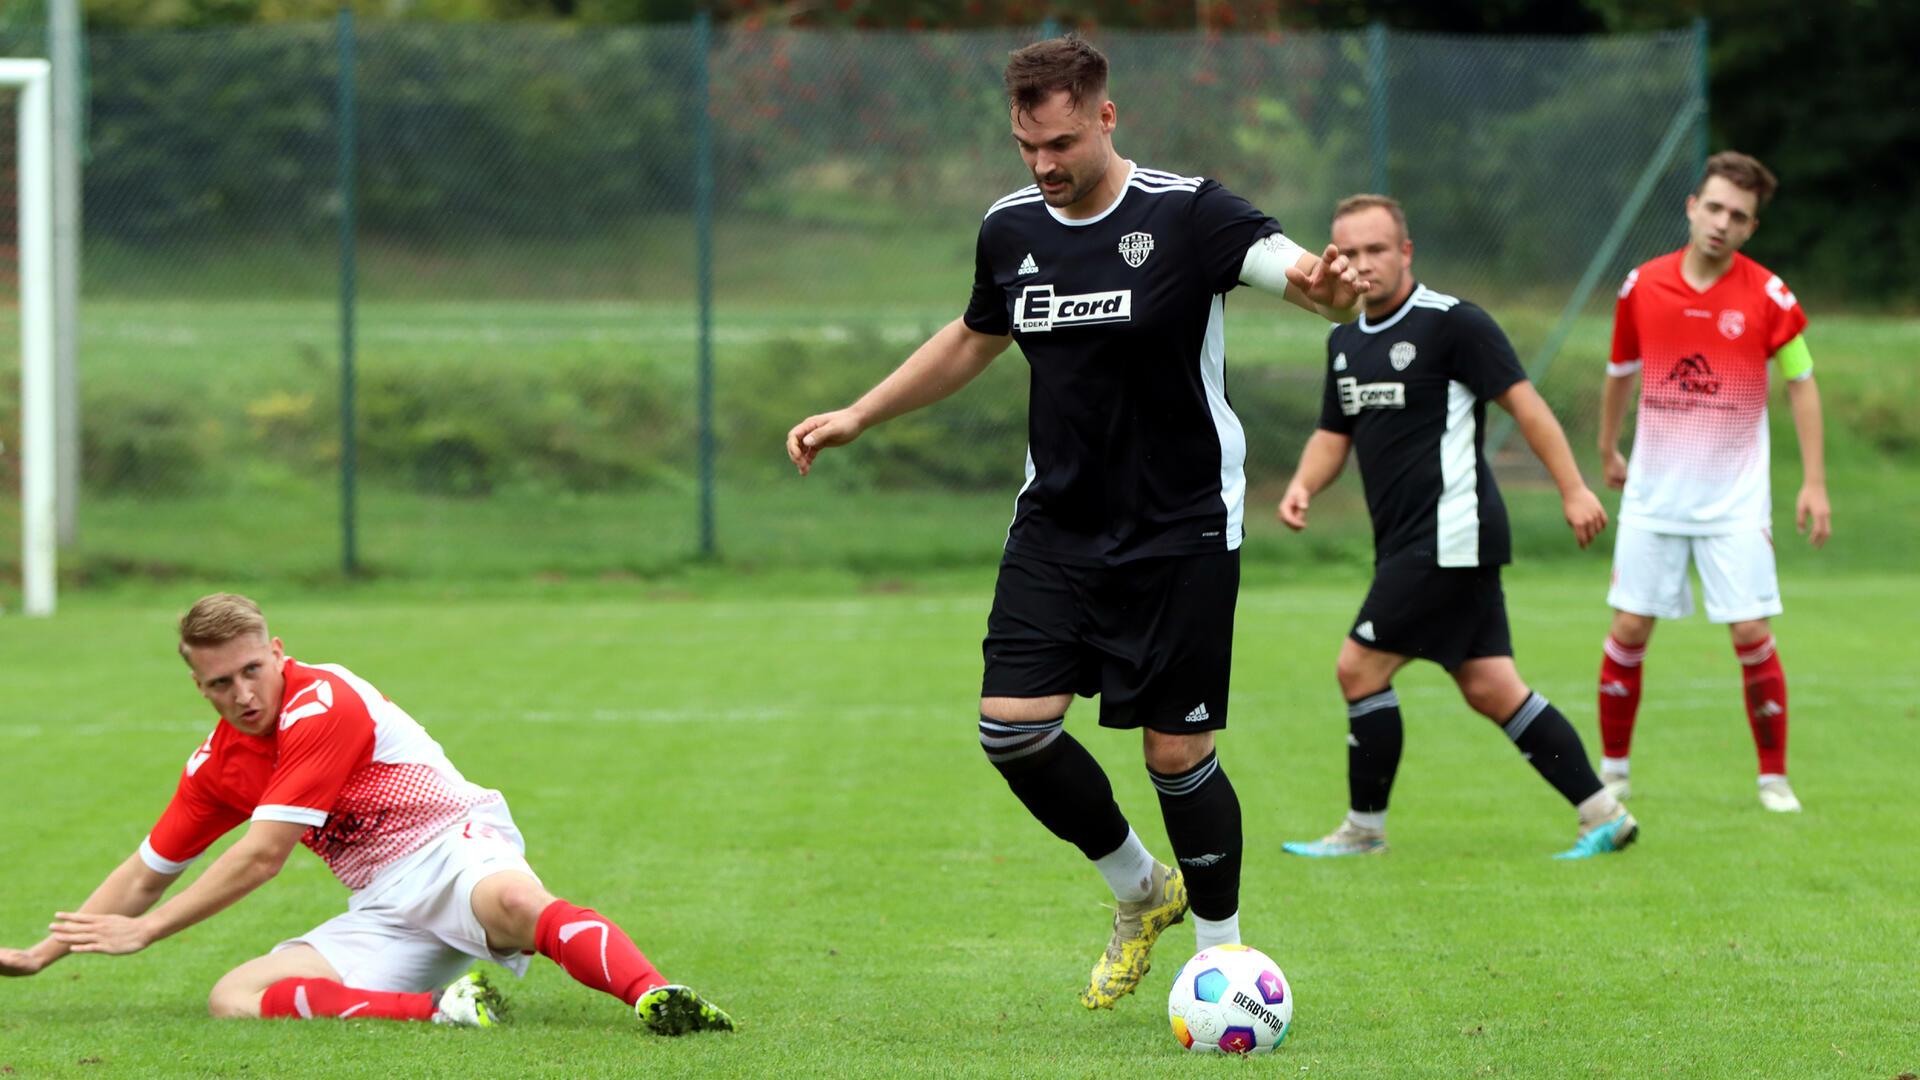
523,210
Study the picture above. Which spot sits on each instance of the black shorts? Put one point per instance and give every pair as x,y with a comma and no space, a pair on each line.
1448,615
1154,638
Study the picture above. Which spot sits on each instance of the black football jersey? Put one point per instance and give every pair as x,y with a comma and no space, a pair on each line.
1411,389
1132,448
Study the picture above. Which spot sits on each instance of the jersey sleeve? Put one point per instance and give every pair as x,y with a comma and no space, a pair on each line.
987,308
1224,227
1626,335
1332,417
189,826
325,734
1786,319
1482,357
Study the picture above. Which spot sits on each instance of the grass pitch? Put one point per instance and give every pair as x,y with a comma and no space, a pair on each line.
775,787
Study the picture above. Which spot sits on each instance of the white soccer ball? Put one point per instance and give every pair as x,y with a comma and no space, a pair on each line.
1230,999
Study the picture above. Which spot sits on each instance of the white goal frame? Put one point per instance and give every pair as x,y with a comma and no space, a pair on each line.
38,526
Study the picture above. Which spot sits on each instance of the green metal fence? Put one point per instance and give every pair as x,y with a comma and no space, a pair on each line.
568,288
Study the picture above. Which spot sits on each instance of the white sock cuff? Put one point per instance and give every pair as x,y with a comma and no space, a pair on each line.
1624,655
1375,820
1128,868
1615,765
1208,932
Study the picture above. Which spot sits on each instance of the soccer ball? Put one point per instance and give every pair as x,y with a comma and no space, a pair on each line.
1230,999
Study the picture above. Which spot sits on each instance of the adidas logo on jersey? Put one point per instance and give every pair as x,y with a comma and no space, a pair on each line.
1198,715
1027,266
1340,362
1364,630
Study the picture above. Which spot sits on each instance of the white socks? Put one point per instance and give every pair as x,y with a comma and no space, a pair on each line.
1370,820
1128,869
1613,766
1208,933
1597,809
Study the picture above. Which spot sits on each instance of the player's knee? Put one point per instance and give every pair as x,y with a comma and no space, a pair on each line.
232,999
1356,681
1751,632
1173,755
1017,746
1631,630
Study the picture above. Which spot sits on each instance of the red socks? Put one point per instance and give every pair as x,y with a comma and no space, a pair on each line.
306,999
1766,686
1619,696
595,951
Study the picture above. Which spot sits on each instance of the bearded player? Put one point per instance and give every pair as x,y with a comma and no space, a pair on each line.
313,754
1699,326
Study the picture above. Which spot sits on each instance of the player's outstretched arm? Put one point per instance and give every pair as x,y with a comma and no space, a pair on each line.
1812,514
1535,420
948,361
247,865
1320,464
1613,412
130,889
1323,284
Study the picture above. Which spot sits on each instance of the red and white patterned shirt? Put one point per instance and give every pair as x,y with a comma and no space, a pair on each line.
1700,463
365,778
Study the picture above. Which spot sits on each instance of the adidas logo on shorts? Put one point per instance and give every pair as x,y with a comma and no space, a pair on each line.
1198,715
1364,630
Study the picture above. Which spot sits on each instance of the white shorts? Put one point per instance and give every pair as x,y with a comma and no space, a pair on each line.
413,928
1736,573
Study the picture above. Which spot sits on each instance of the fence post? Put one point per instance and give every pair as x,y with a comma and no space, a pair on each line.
703,231
1704,145
1500,428
349,553
1377,104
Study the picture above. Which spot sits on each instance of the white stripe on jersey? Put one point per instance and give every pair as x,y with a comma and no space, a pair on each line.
1457,521
1233,438
1031,473
1005,203
1023,193
159,863
1153,189
1163,176
1422,297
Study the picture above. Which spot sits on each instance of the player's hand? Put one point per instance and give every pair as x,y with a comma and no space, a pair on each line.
816,433
1585,515
1613,465
1332,283
19,962
1293,507
1811,509
115,935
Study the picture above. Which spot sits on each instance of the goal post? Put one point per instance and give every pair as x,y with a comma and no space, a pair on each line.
38,520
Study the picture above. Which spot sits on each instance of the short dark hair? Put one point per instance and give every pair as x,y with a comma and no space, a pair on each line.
1353,204
1742,172
1044,68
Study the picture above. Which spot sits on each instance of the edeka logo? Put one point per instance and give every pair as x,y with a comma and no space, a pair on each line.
1039,310
1356,395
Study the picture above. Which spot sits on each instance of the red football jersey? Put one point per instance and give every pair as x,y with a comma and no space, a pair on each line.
368,781
1700,463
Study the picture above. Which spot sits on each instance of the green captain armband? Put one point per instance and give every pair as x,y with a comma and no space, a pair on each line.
1796,362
